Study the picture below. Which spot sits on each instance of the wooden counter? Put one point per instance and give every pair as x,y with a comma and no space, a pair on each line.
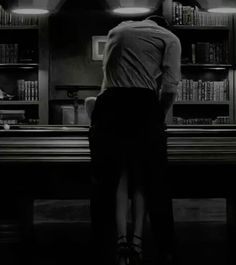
53,162
201,159
193,144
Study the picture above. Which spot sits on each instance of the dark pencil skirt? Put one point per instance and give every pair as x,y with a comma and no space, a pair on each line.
127,131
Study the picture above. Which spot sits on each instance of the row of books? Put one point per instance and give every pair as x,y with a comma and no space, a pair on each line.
187,15
17,122
11,117
9,122
27,90
9,53
210,52
193,121
190,90
11,19
9,231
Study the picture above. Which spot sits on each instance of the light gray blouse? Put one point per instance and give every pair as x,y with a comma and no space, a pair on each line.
141,54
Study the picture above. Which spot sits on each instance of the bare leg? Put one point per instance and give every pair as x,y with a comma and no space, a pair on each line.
122,200
139,211
139,214
122,206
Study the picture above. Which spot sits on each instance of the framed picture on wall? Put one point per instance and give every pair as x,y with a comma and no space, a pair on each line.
98,45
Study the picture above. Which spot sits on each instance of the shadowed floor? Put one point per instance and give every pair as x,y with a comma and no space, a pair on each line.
197,243
61,237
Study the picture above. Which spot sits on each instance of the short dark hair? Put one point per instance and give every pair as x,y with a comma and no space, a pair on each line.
160,20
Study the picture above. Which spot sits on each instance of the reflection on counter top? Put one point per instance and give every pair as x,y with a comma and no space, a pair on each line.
43,128
171,129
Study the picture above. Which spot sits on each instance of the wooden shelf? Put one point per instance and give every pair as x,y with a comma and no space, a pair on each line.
21,27
18,102
202,102
206,65
18,65
194,27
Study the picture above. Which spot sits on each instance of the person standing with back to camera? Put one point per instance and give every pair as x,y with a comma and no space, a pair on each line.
127,138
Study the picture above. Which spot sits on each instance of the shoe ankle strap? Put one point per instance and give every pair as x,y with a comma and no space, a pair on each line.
138,237
121,237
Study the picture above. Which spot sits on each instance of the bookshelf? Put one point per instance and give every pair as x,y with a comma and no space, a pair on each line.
206,91
24,64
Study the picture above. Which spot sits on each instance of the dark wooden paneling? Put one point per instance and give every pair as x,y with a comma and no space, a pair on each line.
54,162
54,157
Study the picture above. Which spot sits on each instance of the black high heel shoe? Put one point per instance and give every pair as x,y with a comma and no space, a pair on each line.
122,252
136,252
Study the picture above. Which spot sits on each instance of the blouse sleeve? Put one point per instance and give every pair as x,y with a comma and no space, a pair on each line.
171,66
